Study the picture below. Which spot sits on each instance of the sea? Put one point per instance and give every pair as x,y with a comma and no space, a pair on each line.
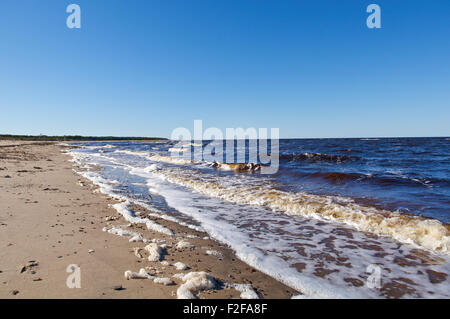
338,218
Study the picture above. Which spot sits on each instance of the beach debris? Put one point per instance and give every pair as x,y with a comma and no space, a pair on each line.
137,252
165,263
118,288
180,266
111,218
195,282
182,244
153,269
155,252
82,184
31,264
37,279
163,281
90,251
247,291
14,292
142,274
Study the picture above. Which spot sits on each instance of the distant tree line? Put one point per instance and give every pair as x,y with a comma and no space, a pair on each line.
75,138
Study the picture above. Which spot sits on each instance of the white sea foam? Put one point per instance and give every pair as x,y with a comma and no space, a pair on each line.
155,252
170,160
92,147
136,153
271,265
133,236
213,252
142,274
180,266
122,208
246,290
195,282
163,281
183,244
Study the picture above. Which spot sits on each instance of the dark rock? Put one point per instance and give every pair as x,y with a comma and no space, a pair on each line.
118,288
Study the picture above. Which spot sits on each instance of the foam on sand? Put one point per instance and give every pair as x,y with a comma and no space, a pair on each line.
133,236
180,266
142,274
155,252
213,252
183,244
195,282
163,281
122,208
246,290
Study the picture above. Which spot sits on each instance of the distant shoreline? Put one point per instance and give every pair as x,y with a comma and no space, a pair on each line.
77,138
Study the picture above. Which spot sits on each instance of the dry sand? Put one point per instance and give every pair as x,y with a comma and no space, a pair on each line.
51,218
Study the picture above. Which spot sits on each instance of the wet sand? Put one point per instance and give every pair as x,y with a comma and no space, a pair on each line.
51,218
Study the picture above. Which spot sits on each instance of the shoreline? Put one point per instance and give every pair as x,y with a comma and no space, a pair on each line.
52,218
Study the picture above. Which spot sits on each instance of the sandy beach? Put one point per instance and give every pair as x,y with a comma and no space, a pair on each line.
50,218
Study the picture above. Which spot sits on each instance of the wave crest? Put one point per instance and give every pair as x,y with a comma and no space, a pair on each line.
427,233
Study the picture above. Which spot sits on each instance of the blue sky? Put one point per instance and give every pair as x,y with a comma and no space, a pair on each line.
145,67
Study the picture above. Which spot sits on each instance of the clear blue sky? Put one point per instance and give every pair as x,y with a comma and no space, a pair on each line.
142,68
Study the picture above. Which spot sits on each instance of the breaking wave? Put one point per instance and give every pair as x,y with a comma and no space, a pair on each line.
236,167
170,160
136,153
426,233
